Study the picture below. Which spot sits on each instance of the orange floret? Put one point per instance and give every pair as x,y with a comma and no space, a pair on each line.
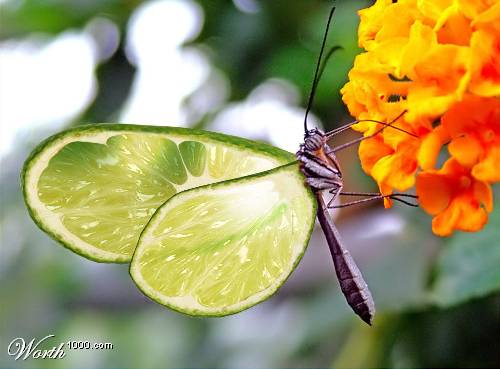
474,128
455,198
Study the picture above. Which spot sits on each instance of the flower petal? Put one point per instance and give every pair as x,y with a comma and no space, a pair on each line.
372,19
429,149
472,216
484,194
488,170
485,64
466,149
444,223
371,151
422,39
433,191
397,170
386,190
433,9
441,79
453,27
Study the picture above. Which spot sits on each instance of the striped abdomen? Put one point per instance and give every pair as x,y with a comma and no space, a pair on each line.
351,281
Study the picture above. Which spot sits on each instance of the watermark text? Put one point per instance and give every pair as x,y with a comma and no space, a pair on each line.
22,349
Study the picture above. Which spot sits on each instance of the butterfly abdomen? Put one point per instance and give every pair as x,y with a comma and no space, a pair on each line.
351,281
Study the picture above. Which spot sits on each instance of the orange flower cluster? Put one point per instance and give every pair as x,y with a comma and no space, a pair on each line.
440,62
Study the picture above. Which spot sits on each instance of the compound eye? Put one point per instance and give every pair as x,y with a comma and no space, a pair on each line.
311,133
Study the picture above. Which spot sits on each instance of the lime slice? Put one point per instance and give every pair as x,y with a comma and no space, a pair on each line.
93,188
219,249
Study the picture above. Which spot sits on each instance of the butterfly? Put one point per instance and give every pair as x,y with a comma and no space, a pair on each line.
45,195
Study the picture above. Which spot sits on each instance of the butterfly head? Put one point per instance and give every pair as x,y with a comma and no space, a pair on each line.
314,139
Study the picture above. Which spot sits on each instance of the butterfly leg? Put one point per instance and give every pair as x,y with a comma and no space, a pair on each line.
371,196
335,192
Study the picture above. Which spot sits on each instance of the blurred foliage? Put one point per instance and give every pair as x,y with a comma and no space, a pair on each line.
266,42
437,299
469,265
20,18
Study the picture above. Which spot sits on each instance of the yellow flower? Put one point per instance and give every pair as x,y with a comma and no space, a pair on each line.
440,62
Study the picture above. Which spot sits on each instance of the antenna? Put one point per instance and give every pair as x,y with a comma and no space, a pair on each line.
318,68
385,125
338,130
327,57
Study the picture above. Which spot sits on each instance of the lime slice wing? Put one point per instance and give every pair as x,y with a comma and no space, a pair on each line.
94,188
222,248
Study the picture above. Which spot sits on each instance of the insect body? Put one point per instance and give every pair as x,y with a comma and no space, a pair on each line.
322,170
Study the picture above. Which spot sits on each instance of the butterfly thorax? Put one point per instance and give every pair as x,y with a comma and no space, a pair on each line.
319,163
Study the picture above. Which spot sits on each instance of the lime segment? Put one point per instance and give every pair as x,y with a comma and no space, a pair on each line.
219,249
94,188
194,155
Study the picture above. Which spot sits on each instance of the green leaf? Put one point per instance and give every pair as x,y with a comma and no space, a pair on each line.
469,266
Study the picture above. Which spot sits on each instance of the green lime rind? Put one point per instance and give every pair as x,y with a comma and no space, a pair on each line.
294,180
81,132
187,132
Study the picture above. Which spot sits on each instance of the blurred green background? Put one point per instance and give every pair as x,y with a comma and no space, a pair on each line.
243,67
